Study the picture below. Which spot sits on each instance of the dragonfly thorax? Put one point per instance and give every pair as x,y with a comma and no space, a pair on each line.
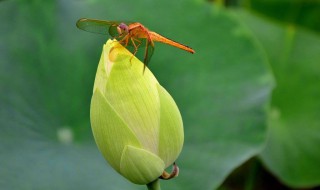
123,29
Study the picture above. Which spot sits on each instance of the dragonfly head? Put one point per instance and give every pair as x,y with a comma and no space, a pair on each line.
123,29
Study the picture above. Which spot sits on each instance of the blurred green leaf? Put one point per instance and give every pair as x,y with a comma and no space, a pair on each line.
292,151
297,12
47,72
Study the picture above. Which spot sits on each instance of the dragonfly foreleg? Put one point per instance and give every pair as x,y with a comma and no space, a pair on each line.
124,41
136,46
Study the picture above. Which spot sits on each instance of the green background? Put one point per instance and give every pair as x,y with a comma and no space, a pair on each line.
251,91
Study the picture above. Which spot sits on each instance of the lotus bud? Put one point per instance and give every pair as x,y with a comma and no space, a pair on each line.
135,122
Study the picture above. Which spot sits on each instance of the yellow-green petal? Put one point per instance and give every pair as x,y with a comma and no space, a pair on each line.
171,128
134,94
103,69
140,166
111,133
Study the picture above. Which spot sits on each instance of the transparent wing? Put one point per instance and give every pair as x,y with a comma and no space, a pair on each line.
148,52
149,49
143,48
98,26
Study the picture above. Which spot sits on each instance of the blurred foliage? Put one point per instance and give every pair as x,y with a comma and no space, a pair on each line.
294,122
47,70
303,13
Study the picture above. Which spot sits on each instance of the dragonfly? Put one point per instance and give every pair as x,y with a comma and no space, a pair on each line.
130,34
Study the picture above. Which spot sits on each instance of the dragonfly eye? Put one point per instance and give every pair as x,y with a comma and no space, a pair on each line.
123,28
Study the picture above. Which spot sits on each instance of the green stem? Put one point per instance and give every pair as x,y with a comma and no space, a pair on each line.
155,185
253,172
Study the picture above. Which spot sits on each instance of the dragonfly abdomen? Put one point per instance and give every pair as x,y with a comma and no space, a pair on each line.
158,38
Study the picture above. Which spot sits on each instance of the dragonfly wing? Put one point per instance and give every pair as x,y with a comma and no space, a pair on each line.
149,49
98,26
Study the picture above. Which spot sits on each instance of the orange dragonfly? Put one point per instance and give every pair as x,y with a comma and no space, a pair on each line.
132,34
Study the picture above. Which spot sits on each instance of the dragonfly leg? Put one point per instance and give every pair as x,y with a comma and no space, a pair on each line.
135,46
119,38
124,41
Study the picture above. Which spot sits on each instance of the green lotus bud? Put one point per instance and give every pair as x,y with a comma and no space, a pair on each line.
135,122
